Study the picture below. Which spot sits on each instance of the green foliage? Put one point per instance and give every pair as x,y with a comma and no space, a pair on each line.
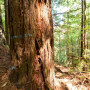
3,15
80,65
1,1
2,11
67,31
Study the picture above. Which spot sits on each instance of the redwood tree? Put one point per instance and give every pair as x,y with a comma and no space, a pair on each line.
31,44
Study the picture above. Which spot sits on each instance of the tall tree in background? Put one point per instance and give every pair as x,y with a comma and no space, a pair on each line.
1,24
82,29
59,47
7,34
67,33
31,44
2,38
85,46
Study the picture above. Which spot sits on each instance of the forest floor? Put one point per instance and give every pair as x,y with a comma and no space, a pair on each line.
64,79
72,80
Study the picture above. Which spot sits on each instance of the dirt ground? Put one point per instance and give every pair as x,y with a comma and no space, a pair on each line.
64,80
74,80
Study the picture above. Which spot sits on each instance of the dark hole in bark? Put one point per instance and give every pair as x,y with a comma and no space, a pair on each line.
39,1
39,60
17,57
37,47
42,69
51,42
45,1
27,67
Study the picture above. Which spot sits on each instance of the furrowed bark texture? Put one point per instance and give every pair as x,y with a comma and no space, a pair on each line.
31,44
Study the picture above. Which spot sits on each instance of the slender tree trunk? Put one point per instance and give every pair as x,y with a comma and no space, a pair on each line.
82,29
67,36
67,33
2,41
78,48
7,34
72,49
59,47
31,44
1,24
88,30
87,43
85,46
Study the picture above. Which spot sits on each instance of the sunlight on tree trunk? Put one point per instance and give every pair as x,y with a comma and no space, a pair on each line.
31,44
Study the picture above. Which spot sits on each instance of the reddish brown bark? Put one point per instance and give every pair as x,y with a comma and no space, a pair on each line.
31,44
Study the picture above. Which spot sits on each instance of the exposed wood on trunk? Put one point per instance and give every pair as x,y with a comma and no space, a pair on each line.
31,43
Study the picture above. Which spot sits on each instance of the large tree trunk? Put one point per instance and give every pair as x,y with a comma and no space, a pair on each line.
31,44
